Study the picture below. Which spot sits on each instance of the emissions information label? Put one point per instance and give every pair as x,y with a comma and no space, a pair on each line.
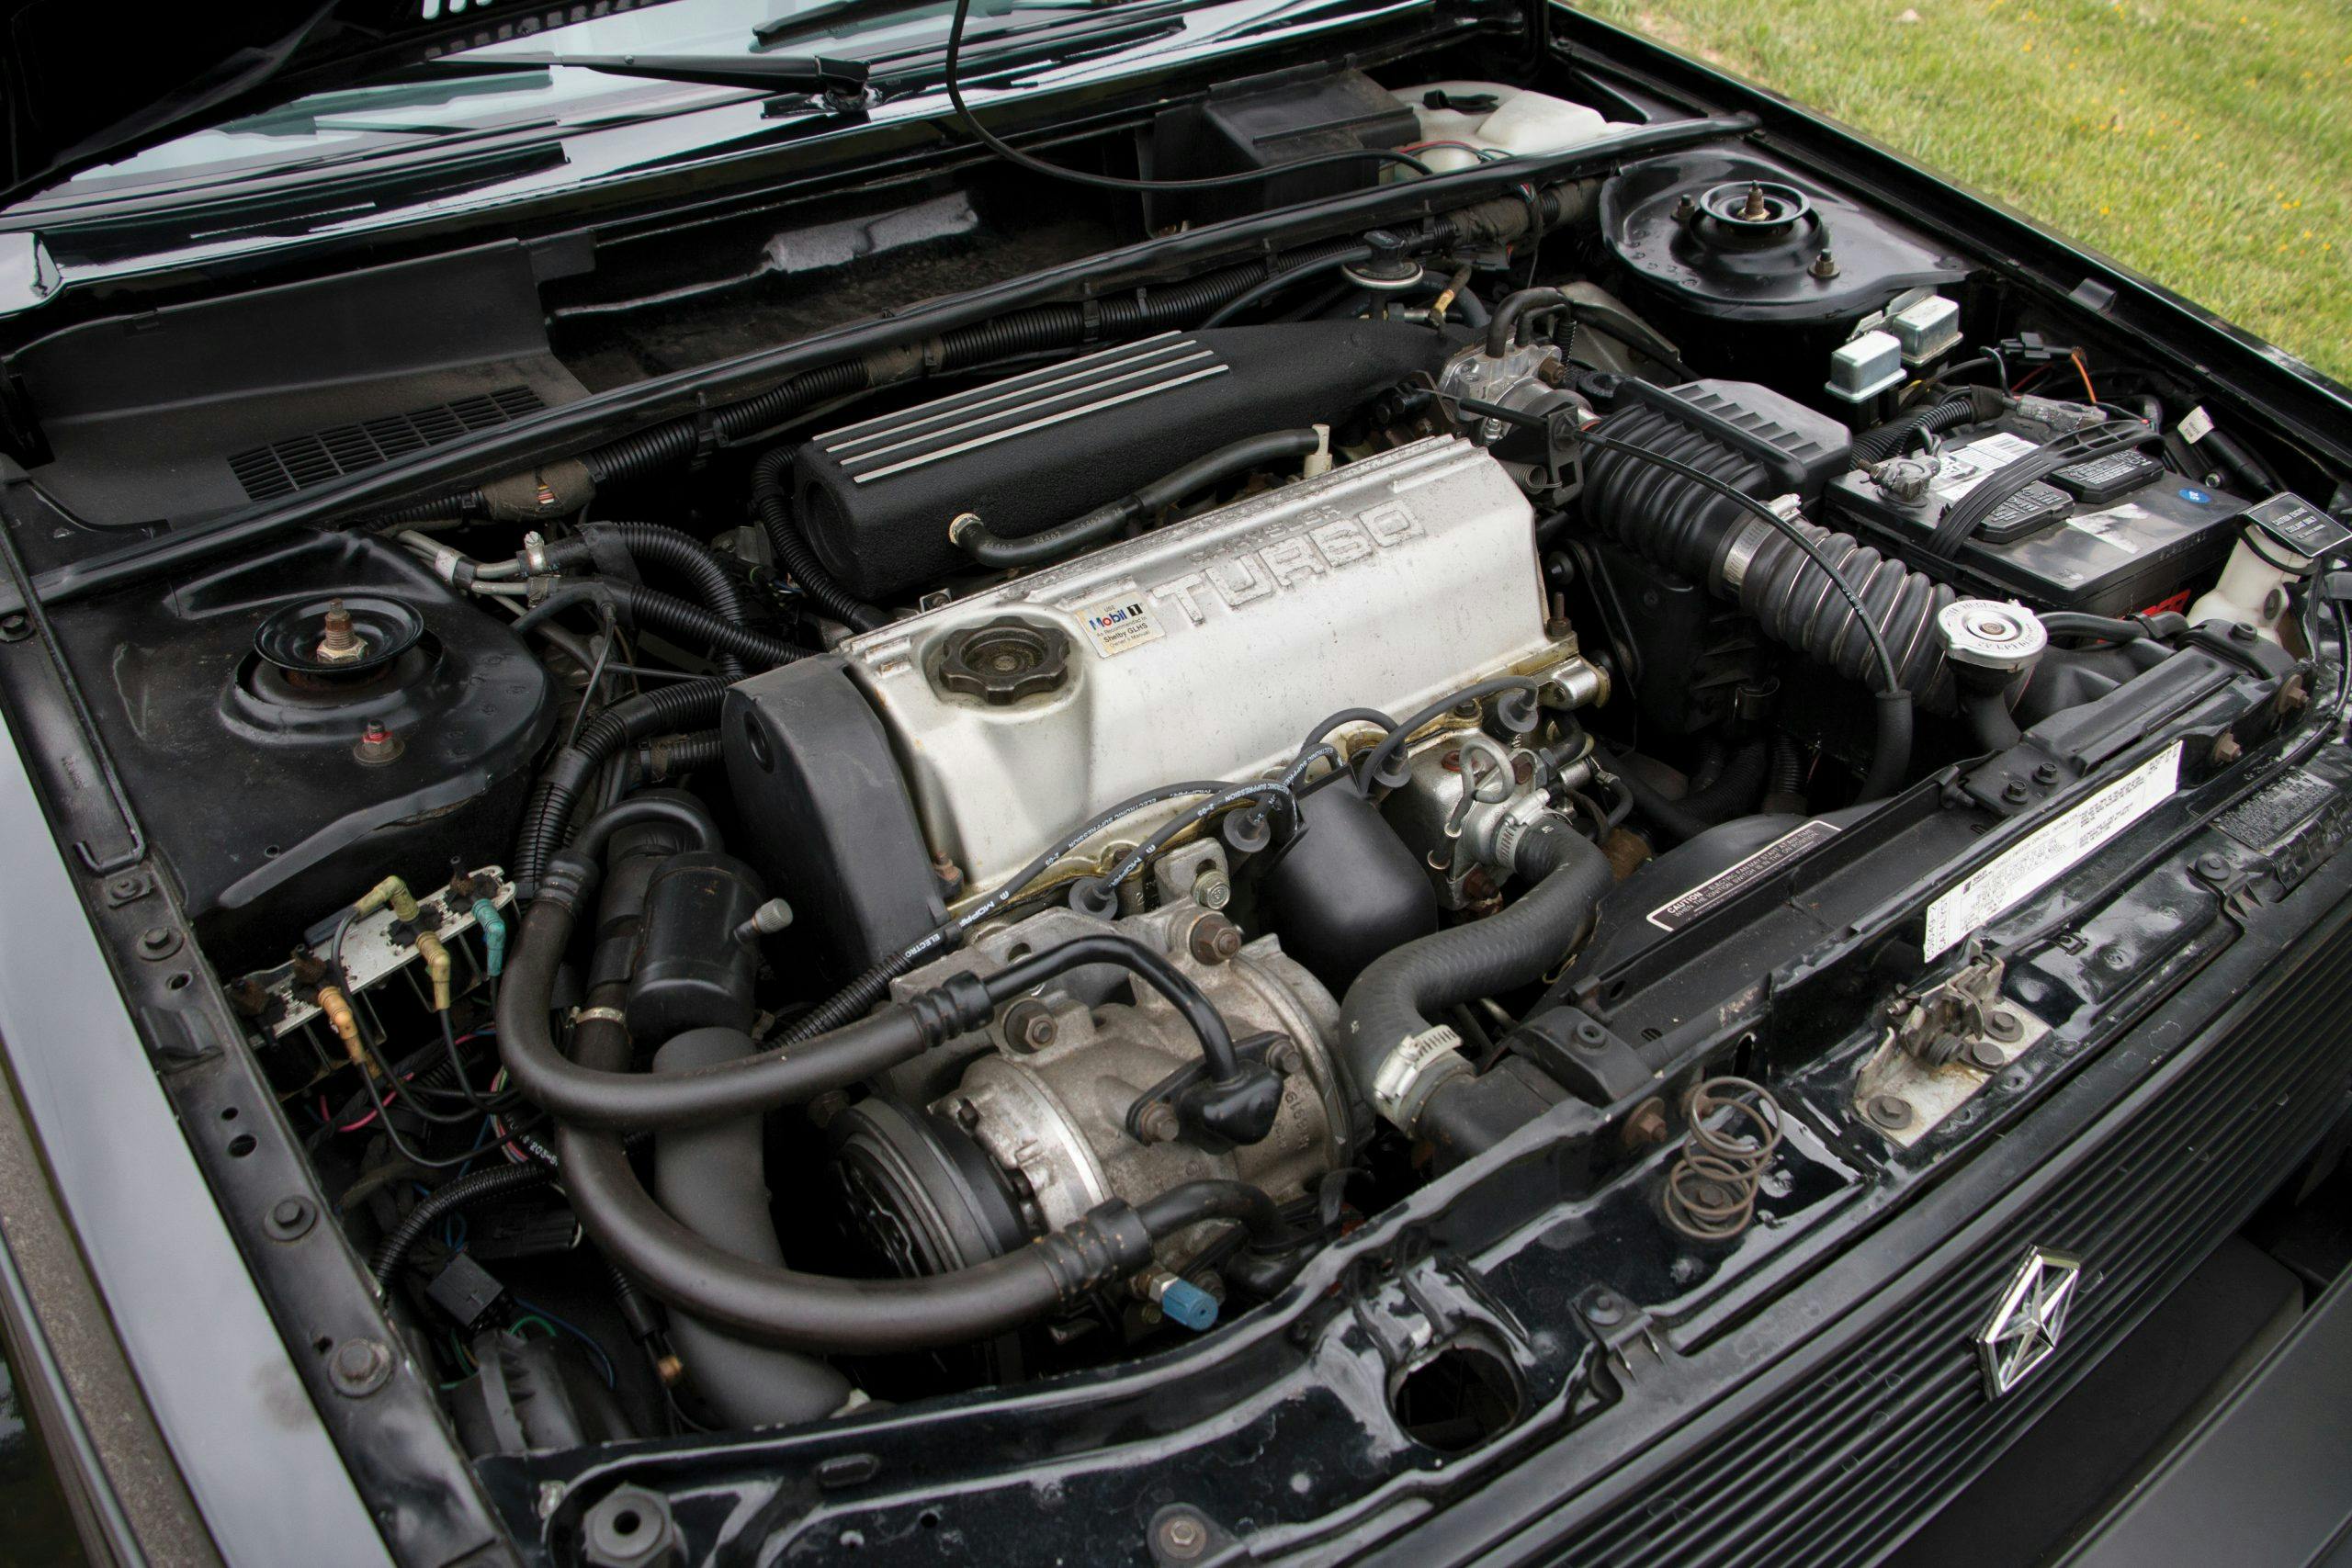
1118,625
2036,860
1725,886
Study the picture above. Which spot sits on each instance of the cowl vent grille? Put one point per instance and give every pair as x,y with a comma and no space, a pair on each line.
301,461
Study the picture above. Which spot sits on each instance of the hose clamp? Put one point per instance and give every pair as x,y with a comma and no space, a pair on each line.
613,1016
1750,541
1408,1075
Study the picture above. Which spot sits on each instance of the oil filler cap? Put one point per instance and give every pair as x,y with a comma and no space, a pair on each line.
1003,661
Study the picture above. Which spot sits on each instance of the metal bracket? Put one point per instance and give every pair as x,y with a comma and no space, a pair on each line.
1941,1045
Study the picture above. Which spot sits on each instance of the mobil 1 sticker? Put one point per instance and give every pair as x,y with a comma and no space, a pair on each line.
2298,525
1725,886
1118,625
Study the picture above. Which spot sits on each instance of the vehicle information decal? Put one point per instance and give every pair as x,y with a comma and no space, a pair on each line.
2267,816
2036,860
1725,886
1118,625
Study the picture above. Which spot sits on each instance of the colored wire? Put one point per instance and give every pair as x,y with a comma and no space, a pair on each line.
603,1361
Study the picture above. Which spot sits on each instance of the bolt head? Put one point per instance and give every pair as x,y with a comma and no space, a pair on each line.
1985,1055
1159,1123
1645,1127
1214,939
2014,793
360,1367
1182,1536
1889,1111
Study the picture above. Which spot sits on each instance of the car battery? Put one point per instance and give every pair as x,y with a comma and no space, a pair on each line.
2108,537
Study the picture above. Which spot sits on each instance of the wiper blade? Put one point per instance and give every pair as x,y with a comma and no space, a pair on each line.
774,73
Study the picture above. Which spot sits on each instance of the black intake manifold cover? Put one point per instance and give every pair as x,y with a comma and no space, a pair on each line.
1034,450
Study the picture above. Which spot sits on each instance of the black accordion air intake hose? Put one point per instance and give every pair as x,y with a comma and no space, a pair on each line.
1710,538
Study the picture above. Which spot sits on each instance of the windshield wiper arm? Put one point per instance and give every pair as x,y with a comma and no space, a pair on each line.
774,73
831,16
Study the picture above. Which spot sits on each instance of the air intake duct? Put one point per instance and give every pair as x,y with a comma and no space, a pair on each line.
1766,446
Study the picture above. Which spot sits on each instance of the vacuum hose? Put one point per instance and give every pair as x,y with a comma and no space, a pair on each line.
1250,452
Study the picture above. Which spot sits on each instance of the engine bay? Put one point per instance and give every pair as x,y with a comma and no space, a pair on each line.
982,859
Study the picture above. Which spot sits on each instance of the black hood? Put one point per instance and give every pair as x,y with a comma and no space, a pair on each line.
88,84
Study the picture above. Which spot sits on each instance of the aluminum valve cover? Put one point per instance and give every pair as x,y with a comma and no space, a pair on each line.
1208,649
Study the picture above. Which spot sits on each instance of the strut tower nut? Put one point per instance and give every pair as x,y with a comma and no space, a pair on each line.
1004,661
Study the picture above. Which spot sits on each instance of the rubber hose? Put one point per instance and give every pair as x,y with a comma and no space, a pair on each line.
745,1081
1395,999
1190,1203
1988,719
793,551
1663,812
1236,458
662,612
2107,628
1733,794
680,812
812,1311
713,1179
679,553
688,705
776,1305
1502,327
447,1199
674,756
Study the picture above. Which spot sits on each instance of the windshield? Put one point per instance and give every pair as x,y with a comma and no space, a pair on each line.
394,116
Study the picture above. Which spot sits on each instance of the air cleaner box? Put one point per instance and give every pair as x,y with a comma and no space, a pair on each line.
2051,550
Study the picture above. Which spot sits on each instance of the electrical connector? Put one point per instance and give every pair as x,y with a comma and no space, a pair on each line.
469,1293
494,935
437,967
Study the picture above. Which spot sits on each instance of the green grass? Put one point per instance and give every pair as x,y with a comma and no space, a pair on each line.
2208,144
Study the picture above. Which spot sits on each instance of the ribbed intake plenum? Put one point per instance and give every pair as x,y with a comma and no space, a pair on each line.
1709,538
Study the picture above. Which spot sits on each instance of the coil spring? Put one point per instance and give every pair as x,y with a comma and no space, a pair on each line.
1711,1190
